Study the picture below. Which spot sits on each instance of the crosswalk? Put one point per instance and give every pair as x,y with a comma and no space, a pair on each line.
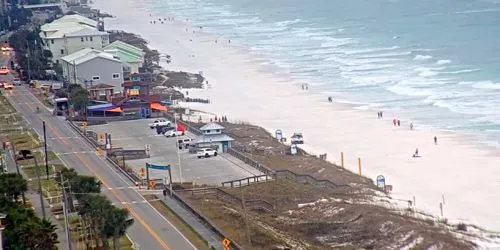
135,202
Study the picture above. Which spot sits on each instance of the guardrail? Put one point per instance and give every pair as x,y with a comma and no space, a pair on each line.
131,176
247,181
223,195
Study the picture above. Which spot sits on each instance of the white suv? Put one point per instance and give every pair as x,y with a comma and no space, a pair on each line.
206,152
159,122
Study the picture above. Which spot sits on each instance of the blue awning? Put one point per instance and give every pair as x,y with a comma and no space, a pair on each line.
100,107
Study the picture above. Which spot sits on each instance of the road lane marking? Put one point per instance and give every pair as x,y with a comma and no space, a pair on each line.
132,212
86,164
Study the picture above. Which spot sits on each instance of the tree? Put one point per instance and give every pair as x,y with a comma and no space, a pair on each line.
38,235
78,97
12,186
117,223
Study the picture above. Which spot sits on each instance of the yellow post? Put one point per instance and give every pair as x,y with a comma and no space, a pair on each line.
342,159
359,166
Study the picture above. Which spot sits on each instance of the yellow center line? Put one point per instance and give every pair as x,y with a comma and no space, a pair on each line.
113,192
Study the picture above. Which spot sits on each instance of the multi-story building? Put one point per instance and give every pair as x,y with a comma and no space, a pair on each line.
89,67
70,34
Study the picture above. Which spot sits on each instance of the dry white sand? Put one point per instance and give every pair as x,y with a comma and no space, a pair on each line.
466,175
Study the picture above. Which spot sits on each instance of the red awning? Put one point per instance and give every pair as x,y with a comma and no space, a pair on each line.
158,106
116,110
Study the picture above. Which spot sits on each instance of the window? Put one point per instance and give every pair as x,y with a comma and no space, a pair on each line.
57,61
102,92
52,41
91,39
81,39
62,52
116,76
45,34
96,78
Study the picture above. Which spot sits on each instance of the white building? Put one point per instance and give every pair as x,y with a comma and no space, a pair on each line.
70,34
214,137
89,67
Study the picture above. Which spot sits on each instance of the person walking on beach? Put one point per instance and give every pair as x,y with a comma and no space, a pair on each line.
394,121
399,123
411,126
330,99
435,140
416,153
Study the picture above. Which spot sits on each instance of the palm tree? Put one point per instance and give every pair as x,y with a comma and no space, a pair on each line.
38,234
12,186
117,223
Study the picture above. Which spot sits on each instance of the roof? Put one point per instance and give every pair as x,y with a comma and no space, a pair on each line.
126,48
76,19
214,138
86,55
211,126
100,107
146,98
86,31
101,86
125,56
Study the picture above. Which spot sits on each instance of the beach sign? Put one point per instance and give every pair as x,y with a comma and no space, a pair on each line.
293,149
381,181
279,134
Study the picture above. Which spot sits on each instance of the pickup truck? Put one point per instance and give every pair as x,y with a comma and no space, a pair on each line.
206,152
173,133
159,122
185,143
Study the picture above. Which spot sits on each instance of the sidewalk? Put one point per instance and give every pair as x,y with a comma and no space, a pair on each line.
34,198
212,238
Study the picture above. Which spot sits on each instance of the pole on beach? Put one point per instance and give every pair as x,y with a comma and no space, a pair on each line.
342,159
359,166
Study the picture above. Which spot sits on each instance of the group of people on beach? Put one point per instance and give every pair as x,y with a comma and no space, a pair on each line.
397,122
161,20
305,86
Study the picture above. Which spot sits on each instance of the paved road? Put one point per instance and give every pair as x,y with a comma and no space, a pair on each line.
135,134
151,230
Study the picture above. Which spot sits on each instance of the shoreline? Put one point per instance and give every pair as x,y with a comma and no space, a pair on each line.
261,98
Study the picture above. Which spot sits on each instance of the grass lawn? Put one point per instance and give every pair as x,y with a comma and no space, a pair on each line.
190,234
5,106
23,141
40,159
31,171
50,187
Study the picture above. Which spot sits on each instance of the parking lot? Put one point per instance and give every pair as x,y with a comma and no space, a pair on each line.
163,151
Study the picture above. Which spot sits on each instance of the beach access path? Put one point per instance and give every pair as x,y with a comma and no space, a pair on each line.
150,230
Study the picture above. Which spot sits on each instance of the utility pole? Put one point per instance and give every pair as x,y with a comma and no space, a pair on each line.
65,211
17,168
247,226
45,148
29,64
40,188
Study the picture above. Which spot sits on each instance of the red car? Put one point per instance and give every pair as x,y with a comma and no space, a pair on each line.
4,70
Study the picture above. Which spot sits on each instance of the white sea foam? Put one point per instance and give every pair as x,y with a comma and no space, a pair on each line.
461,71
422,57
486,85
443,62
369,51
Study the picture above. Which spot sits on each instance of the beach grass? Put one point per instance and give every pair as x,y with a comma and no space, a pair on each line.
25,140
5,106
185,229
53,168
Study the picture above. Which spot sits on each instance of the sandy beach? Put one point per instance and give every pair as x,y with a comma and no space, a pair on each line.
463,176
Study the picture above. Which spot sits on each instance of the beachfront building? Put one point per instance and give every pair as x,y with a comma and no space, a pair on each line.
70,34
213,136
89,67
131,56
101,92
136,86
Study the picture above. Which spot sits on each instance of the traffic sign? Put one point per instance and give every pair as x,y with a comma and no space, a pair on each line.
142,171
101,137
226,244
84,124
152,184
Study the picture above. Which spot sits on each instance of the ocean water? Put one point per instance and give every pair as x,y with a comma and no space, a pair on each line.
434,62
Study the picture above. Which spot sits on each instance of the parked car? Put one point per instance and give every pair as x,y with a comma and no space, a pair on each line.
173,133
297,138
164,129
159,122
4,70
8,86
185,143
17,81
206,152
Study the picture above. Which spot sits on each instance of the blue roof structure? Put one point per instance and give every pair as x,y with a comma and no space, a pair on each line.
101,107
